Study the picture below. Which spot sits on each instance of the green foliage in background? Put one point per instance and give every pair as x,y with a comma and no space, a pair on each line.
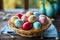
34,3
12,4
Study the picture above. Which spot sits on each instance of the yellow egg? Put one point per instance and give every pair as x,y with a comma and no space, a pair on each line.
32,18
13,18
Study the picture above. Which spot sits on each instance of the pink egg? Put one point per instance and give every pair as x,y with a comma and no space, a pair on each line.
24,18
43,19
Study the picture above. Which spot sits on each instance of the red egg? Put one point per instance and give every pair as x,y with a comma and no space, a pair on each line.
19,15
27,26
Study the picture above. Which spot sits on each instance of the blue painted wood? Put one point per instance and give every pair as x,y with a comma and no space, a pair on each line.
50,11
56,7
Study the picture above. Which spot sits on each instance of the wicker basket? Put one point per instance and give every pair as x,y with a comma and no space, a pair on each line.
29,33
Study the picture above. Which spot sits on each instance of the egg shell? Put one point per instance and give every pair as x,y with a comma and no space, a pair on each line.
43,19
13,18
36,25
27,26
24,18
36,14
19,15
29,13
18,23
32,18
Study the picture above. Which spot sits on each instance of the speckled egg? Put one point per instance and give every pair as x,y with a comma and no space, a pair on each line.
29,13
32,18
27,26
43,19
36,25
18,23
13,18
24,18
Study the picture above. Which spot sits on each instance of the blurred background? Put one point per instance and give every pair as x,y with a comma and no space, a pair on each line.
50,8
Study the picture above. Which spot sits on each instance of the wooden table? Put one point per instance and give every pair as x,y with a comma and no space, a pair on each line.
17,37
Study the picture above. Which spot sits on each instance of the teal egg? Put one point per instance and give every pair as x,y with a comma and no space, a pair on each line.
18,23
36,25
49,11
36,14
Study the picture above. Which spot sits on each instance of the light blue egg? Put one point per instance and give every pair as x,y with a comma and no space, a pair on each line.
56,7
36,14
49,11
36,25
18,23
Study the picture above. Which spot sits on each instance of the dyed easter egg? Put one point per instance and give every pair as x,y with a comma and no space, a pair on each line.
36,25
13,18
32,18
19,15
18,23
27,26
24,18
43,19
36,14
29,13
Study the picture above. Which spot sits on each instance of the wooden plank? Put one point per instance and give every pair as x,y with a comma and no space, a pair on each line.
1,4
26,4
